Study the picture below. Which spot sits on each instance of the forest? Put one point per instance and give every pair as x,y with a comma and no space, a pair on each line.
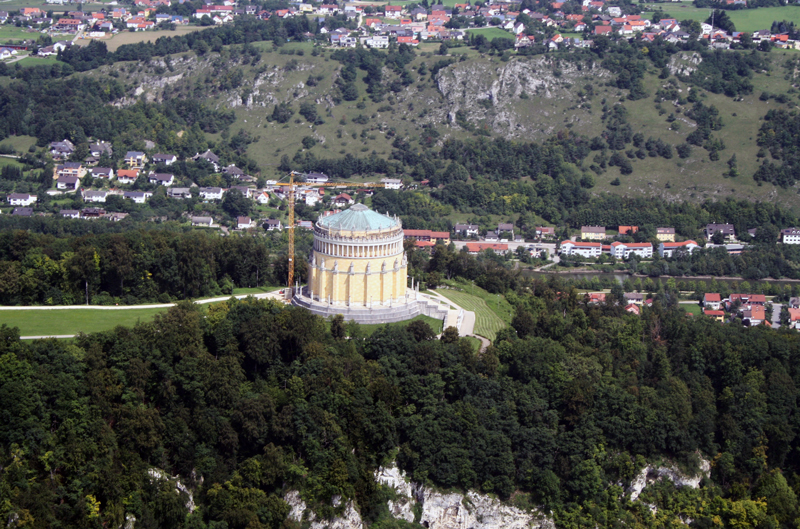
247,400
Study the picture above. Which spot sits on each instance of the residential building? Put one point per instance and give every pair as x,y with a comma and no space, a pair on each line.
343,199
166,159
746,301
475,248
727,231
504,227
94,196
246,191
794,318
628,230
164,179
233,172
665,234
755,316
61,149
715,314
635,298
263,198
244,223
203,221
790,236
211,193
593,233
712,301
102,172
668,249
623,250
71,169
127,176
633,308
22,212
135,159
138,197
317,178
585,249
545,232
70,213
21,199
466,230
210,157
392,183
179,192
100,148
273,224
68,183
427,235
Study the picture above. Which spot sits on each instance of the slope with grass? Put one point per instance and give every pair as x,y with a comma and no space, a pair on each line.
492,311
74,321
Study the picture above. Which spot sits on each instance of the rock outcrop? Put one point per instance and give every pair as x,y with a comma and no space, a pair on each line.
350,518
650,474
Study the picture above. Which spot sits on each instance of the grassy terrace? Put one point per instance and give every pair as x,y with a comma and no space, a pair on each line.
492,311
58,322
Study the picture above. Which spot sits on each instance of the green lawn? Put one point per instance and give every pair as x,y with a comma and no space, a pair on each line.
693,308
73,321
10,32
492,33
492,311
748,20
254,290
19,143
476,344
38,61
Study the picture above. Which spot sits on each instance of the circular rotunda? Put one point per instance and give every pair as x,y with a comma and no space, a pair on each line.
358,268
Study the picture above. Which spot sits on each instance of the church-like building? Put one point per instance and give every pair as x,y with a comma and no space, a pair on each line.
358,268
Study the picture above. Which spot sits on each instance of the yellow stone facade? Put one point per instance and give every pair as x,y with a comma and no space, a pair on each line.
363,266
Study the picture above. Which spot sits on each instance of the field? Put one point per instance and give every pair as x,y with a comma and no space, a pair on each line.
492,311
10,32
748,20
127,37
39,61
692,308
492,33
59,322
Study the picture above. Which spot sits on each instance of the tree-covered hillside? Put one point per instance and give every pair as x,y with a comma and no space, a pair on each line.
245,401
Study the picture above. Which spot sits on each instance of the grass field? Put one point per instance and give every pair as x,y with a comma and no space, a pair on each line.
748,20
10,32
127,37
693,308
492,311
476,344
254,290
492,33
38,61
53,322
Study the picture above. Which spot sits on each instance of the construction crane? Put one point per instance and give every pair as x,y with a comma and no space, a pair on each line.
291,185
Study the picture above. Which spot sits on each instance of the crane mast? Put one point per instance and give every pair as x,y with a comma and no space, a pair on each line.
291,195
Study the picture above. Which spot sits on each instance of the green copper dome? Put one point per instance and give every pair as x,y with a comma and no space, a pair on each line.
358,218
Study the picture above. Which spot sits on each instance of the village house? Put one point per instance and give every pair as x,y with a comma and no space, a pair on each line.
22,212
70,213
244,223
94,196
75,169
135,159
263,198
343,199
628,230
127,176
633,309
584,249
505,227
166,159
205,222
179,192
545,232
248,192
728,233
668,249
466,230
101,148
717,315
316,178
474,248
69,183
392,183
635,298
794,318
273,224
211,193
755,316
164,179
665,234
712,301
593,233
102,172
21,199
427,235
60,150
622,250
92,213
210,157
790,236
138,197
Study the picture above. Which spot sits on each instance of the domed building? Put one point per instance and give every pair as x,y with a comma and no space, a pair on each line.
358,268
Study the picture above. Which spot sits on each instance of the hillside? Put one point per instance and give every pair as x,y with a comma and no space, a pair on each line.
526,98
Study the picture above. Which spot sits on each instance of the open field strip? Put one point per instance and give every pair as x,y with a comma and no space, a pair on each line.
487,322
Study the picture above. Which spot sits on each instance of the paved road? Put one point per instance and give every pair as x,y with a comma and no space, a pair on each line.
467,323
274,294
776,315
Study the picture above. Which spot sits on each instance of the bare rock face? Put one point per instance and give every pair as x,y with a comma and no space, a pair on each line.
684,63
651,474
492,94
454,510
350,518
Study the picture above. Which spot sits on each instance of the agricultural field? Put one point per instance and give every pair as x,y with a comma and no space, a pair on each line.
9,32
748,20
73,321
492,33
38,61
127,37
492,311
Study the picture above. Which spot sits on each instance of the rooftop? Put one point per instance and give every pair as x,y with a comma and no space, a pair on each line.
358,218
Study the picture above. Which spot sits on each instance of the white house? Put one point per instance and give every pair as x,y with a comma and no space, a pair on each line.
211,193
244,223
273,224
138,197
102,172
392,183
466,230
263,198
166,159
585,249
790,236
164,179
622,250
21,199
203,221
668,249
70,213
95,196
70,183
316,178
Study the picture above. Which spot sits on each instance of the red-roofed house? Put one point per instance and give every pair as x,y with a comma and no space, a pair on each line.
794,318
602,30
668,249
407,40
712,301
475,248
716,314
585,249
392,11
